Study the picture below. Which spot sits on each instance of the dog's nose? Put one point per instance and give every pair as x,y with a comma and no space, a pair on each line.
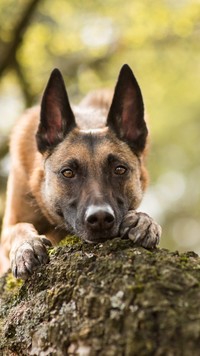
99,217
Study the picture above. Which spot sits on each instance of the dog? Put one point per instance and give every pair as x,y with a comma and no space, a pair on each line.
77,170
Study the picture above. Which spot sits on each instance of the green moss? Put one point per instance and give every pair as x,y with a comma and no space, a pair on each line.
70,240
139,288
184,258
12,284
52,251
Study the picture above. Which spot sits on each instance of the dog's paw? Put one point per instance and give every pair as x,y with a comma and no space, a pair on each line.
141,229
28,255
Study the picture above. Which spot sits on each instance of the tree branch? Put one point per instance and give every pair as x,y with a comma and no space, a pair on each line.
18,32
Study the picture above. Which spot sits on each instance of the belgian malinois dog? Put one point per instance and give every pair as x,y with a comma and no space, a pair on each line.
77,170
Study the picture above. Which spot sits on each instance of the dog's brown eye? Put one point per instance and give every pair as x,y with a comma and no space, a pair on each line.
120,170
68,173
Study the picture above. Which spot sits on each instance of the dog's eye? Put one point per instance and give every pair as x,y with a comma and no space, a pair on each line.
68,173
120,170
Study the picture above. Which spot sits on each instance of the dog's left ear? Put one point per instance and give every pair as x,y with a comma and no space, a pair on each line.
126,115
56,116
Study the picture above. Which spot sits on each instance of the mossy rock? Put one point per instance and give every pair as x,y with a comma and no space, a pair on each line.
105,299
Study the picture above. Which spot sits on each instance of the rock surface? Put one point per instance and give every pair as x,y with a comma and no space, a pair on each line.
108,299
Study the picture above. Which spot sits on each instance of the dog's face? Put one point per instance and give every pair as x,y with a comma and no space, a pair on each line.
93,177
91,182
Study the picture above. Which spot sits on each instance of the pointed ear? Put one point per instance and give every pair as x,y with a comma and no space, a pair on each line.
56,116
126,115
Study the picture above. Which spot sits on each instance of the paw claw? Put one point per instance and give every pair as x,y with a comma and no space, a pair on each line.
46,242
14,271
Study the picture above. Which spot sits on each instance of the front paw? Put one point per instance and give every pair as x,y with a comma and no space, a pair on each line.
28,255
141,229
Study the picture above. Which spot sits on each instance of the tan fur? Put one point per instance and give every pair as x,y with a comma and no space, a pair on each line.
26,212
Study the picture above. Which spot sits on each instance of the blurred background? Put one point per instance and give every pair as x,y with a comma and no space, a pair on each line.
89,41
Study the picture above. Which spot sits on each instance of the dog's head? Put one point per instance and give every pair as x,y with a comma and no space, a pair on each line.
92,177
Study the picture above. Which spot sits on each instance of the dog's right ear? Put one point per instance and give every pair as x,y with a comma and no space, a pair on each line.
56,116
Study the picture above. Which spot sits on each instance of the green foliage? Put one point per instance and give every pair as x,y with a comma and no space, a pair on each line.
89,42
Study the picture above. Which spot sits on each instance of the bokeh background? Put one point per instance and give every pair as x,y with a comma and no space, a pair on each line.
89,41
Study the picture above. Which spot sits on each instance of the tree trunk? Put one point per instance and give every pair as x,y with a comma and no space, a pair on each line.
108,299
